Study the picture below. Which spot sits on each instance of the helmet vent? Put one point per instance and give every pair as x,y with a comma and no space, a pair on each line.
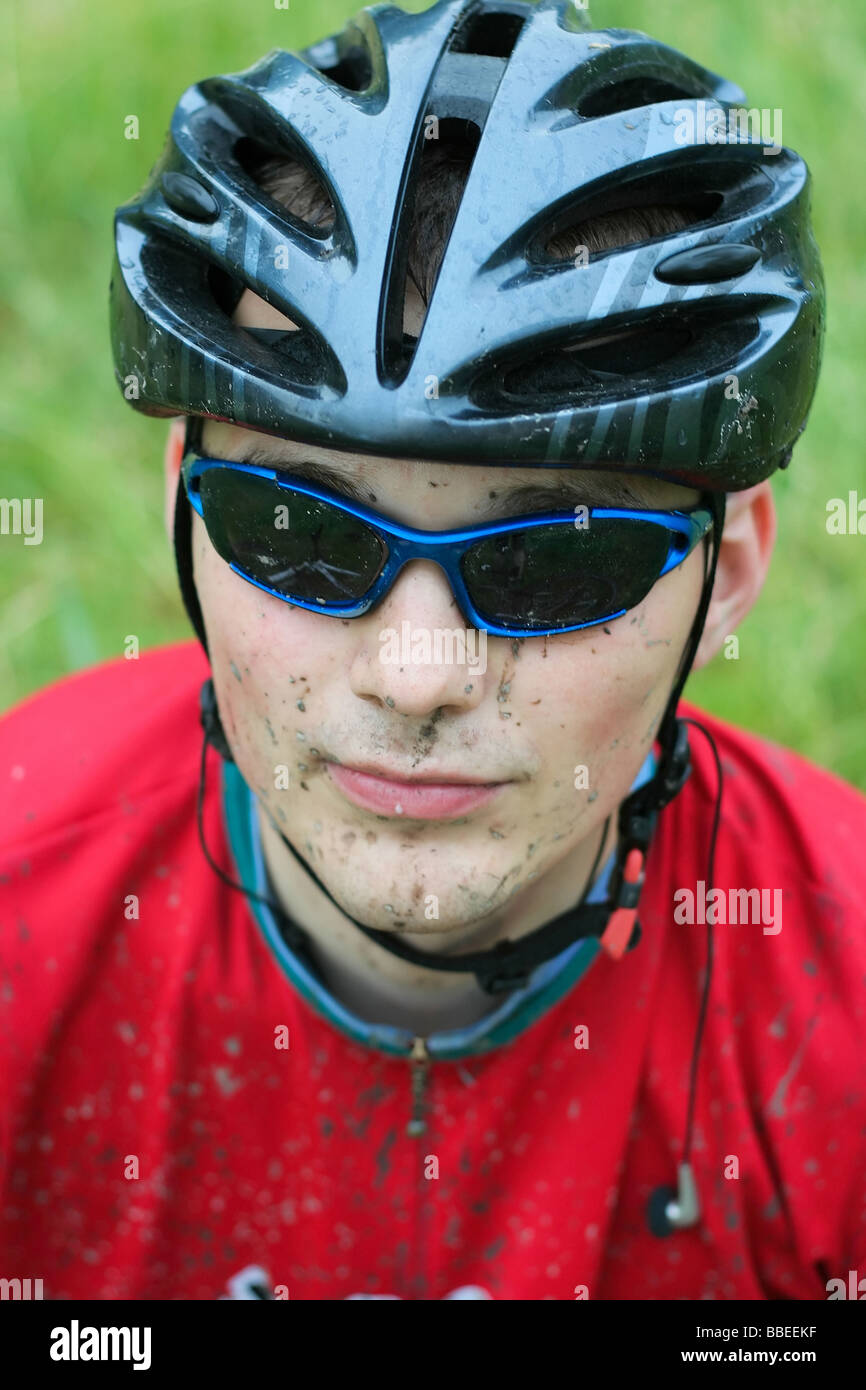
297,355
634,92
225,288
691,191
440,178
354,70
442,175
288,181
631,359
633,226
491,32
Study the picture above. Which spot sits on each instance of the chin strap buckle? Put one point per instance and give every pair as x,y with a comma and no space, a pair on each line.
622,932
638,816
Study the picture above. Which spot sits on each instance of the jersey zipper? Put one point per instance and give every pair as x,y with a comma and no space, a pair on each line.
419,1063
418,1128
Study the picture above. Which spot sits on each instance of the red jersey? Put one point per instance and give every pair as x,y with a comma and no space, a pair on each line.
186,1113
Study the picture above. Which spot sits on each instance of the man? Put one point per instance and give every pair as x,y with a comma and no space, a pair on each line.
477,985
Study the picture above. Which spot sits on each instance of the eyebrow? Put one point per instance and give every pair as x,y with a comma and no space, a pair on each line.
586,487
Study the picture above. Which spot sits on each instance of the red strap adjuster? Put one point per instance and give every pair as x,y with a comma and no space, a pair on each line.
617,934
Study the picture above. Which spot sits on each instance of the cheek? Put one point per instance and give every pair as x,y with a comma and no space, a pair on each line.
597,696
265,657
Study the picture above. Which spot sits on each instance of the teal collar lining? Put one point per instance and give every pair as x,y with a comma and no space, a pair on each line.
548,983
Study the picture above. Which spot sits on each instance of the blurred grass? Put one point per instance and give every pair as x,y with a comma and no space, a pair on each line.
71,74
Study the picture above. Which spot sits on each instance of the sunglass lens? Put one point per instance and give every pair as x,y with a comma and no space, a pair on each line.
294,544
559,576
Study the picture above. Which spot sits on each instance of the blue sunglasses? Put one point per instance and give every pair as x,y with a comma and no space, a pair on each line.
525,576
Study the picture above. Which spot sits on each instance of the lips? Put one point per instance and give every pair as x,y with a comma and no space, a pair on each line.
419,799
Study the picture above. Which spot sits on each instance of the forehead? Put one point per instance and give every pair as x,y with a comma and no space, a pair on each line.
369,477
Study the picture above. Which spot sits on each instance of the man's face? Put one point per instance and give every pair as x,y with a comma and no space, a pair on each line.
310,693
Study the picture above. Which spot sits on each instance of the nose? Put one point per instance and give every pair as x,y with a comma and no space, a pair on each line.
415,653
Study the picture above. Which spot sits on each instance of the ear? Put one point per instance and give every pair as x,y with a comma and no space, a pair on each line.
173,460
744,559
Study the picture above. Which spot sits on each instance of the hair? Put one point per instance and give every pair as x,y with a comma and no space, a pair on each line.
442,177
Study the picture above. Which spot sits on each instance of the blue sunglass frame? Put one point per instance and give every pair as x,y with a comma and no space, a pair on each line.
445,548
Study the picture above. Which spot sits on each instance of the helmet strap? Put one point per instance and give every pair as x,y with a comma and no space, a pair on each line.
183,552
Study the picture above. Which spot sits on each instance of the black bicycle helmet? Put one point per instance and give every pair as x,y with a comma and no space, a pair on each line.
692,356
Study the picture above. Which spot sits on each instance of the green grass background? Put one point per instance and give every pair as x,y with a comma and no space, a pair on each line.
72,73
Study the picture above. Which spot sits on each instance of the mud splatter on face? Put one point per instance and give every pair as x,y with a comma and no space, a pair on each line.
504,691
426,740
